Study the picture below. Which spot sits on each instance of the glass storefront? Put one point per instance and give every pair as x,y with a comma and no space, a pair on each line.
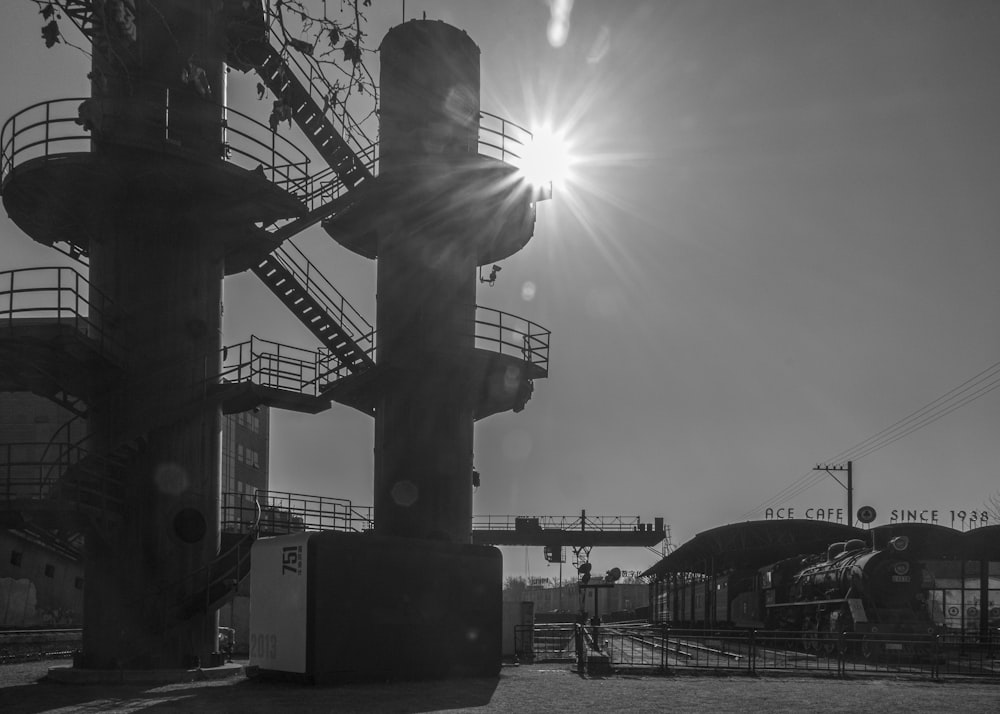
955,595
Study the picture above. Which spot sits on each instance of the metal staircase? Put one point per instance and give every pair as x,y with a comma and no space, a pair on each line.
332,319
95,484
288,273
300,100
68,488
220,579
81,14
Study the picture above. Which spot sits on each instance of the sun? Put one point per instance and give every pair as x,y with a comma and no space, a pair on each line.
547,158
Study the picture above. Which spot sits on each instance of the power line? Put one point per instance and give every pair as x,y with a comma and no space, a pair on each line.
929,420
926,414
965,393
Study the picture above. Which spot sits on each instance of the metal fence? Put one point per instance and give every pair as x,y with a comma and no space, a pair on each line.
658,649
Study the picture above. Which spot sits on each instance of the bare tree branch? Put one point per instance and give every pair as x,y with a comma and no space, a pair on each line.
992,505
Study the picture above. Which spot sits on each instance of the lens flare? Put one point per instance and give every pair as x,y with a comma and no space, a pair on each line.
547,158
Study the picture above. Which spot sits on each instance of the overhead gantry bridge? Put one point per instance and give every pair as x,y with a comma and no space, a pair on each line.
581,531
285,512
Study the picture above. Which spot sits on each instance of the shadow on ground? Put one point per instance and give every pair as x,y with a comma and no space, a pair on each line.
239,694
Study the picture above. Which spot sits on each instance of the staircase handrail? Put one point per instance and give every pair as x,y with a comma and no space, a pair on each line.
78,445
213,578
327,184
66,427
498,138
348,128
319,286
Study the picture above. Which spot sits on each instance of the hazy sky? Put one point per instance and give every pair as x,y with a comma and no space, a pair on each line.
783,235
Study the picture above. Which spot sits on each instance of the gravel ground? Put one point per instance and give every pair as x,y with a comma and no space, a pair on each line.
524,689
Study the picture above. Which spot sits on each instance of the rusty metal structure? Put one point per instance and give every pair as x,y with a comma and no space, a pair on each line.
160,190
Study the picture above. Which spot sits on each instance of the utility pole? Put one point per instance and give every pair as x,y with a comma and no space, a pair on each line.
849,486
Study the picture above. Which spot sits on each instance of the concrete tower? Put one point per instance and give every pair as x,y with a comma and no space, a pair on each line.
155,255
440,210
427,284
162,218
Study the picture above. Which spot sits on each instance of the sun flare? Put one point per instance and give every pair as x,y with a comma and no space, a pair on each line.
547,158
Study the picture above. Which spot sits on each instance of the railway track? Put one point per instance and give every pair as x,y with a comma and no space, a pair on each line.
39,643
629,648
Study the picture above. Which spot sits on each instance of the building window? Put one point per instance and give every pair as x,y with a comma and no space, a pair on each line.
50,570
16,557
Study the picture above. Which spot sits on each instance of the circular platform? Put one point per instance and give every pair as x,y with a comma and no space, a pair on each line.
478,197
70,196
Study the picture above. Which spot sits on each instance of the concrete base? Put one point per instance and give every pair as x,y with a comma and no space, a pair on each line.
76,675
359,607
598,664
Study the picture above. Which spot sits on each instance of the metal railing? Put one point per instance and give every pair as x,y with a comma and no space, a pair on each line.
548,643
278,366
502,139
34,471
508,334
499,138
312,372
282,512
322,93
60,295
56,127
659,648
26,469
327,185
35,130
330,299
567,523
205,587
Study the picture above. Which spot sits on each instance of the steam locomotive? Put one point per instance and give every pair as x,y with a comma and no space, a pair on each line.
849,588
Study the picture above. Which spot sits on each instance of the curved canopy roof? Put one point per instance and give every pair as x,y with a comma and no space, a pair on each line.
754,544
